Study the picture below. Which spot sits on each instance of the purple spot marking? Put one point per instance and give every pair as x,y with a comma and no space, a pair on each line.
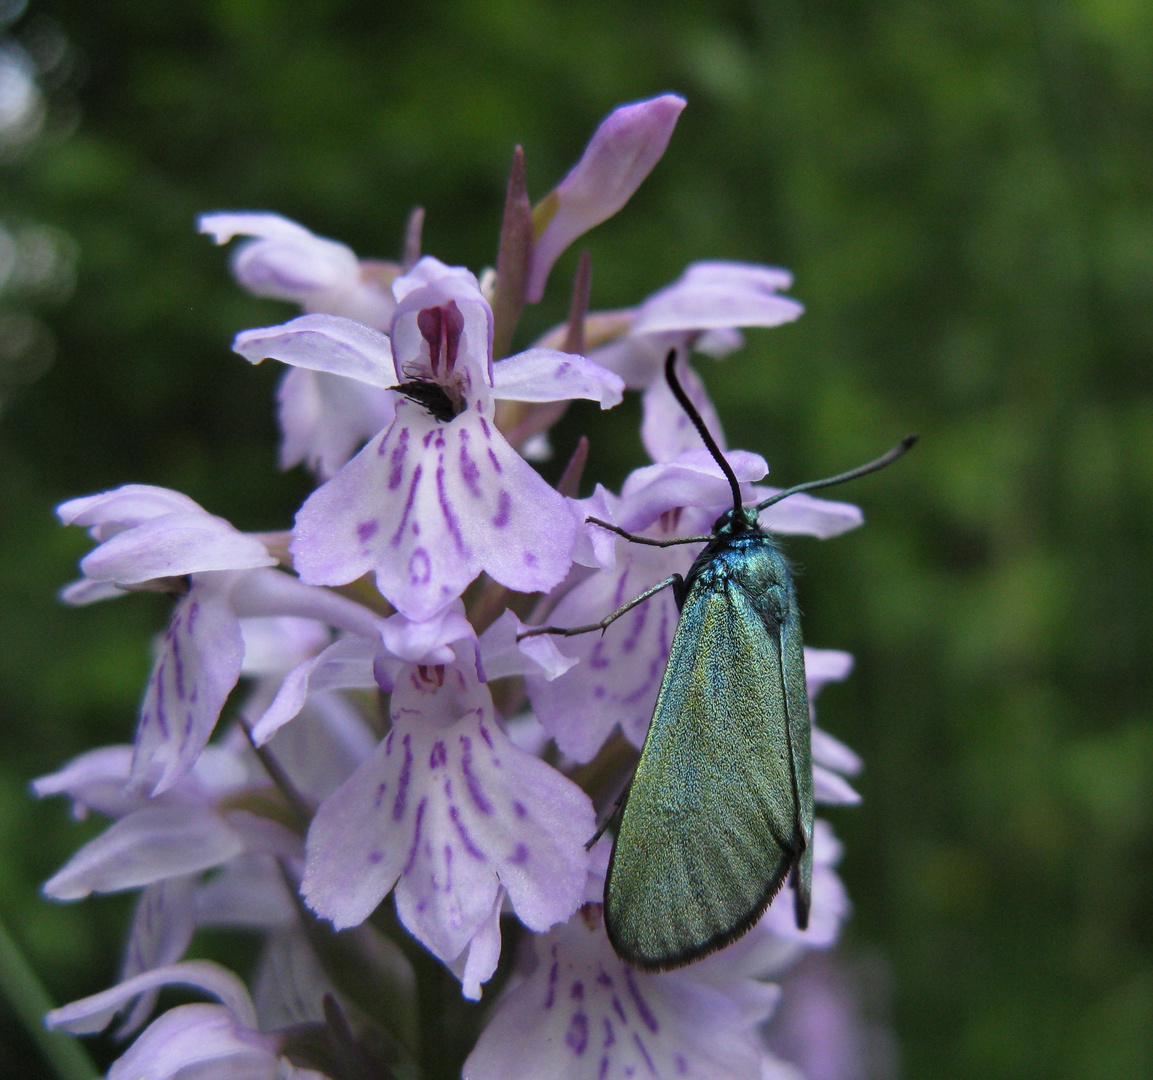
603,978
446,509
530,559
643,1010
553,972
577,1036
644,1053
396,459
485,735
518,808
519,857
411,860
469,470
610,1035
599,691
478,796
503,510
598,659
469,846
375,856
416,474
366,530
682,1064
439,755
402,782
419,567
379,800
563,368
577,993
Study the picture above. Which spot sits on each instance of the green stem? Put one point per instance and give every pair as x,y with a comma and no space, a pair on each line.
29,1000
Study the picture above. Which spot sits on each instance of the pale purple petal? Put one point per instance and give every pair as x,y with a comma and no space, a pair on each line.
807,515
289,984
249,891
823,666
459,280
639,360
171,546
502,655
834,754
199,1042
666,430
286,261
93,1013
453,813
195,671
583,1015
833,789
428,506
717,295
89,592
475,966
345,664
323,343
146,846
693,479
274,644
596,546
273,592
110,511
96,780
326,418
621,153
551,375
427,641
161,932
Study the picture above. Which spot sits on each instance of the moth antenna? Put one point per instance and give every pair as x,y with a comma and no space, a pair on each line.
702,430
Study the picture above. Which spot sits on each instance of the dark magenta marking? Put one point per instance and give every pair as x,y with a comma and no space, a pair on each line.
518,808
485,735
503,510
469,470
474,789
643,1010
409,500
446,508
553,973
644,1053
402,781
439,755
366,530
379,800
469,846
520,856
577,1036
375,856
410,862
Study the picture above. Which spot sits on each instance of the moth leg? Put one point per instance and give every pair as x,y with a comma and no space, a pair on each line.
675,580
618,805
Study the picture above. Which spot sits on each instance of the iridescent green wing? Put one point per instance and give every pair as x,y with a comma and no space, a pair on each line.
711,828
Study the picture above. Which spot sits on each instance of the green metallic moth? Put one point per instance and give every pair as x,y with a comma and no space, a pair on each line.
719,814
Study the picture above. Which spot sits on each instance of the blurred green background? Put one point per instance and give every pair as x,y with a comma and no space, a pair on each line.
964,190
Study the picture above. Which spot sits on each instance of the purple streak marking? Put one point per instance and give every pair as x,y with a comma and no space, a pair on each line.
177,669
396,459
485,735
494,461
469,470
448,868
469,846
610,1035
577,993
553,973
402,782
446,509
619,1009
485,428
643,1010
419,567
503,510
604,1069
411,860
644,1053
439,755
474,789
416,474
681,1063
193,611
518,808
378,801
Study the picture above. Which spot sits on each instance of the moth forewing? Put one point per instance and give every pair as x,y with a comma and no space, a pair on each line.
712,826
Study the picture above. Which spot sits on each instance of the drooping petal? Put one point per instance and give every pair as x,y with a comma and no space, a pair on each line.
323,343
93,1013
550,375
96,780
582,1014
148,845
475,966
621,153
197,667
429,641
503,655
107,512
428,506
